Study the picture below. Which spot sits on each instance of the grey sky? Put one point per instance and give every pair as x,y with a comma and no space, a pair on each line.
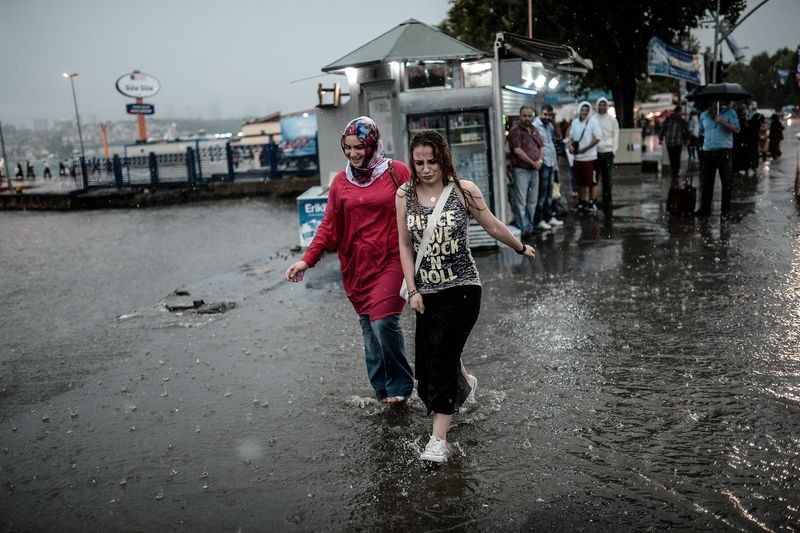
774,25
221,59
226,58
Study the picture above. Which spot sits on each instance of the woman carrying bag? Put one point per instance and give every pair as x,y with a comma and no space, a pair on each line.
444,288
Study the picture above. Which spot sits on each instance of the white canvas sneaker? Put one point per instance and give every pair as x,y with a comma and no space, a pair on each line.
555,222
436,450
543,225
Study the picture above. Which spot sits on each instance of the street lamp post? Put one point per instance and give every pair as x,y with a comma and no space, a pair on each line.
77,115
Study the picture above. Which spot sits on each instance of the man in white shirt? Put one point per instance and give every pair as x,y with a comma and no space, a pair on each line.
609,141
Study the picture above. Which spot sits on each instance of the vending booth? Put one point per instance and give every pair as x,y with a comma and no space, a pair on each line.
416,77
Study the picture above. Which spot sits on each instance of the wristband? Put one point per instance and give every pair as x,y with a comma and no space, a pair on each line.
412,293
522,252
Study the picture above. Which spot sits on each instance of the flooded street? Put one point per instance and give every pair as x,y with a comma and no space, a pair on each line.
643,373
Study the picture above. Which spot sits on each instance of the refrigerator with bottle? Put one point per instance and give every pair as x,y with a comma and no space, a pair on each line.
467,133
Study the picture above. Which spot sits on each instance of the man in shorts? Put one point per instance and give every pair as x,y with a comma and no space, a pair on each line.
584,136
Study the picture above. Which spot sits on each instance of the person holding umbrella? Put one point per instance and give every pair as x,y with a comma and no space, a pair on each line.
718,124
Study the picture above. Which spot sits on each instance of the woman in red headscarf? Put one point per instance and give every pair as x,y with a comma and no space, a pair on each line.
361,225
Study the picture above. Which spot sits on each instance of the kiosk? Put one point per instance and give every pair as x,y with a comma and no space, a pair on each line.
415,76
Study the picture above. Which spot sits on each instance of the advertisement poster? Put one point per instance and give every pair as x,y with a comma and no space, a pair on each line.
666,60
299,136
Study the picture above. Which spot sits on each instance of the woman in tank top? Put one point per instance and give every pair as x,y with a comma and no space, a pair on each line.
445,292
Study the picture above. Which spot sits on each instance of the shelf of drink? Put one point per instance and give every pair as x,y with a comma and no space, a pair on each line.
470,126
413,131
471,143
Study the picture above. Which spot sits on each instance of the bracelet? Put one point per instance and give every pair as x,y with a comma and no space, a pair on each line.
412,293
524,248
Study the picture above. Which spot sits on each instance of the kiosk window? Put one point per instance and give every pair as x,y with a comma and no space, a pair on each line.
423,74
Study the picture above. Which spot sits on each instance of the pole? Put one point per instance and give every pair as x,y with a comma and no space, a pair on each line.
498,136
716,45
530,19
5,160
140,120
77,115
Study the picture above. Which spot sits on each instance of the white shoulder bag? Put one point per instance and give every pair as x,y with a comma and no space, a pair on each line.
426,235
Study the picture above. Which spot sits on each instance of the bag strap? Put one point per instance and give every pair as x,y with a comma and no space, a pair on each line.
394,178
432,221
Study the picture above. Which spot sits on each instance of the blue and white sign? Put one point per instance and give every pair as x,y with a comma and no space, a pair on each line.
140,109
666,60
311,208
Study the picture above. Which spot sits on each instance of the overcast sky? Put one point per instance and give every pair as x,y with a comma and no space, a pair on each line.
221,59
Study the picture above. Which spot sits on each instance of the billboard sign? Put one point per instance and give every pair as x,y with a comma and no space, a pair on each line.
299,135
666,60
138,85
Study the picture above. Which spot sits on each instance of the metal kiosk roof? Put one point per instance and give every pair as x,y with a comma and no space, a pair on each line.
410,41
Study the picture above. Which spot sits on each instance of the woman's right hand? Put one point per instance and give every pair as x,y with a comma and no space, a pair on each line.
416,303
296,271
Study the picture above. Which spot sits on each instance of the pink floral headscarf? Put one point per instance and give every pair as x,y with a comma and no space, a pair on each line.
376,163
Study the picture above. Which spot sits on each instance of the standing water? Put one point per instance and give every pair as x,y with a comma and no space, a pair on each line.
642,373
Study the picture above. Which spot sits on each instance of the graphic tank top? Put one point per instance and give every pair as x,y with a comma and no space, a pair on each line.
448,261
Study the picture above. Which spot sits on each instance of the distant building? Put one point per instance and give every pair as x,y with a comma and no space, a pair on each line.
260,130
40,124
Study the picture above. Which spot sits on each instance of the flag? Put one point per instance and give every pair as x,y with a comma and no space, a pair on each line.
666,60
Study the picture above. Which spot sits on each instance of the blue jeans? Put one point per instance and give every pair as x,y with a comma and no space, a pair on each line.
384,350
526,193
544,208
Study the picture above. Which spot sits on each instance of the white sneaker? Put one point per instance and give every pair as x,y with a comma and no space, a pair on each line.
543,225
473,385
555,222
436,450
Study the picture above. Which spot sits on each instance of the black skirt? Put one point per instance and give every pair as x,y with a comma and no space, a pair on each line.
442,332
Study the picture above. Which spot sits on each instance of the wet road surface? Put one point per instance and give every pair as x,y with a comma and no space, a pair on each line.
642,373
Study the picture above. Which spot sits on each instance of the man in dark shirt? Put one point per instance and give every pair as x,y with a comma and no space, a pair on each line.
526,160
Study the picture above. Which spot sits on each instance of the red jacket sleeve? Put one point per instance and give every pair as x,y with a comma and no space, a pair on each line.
329,232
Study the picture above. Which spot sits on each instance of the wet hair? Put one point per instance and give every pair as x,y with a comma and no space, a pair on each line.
547,107
442,156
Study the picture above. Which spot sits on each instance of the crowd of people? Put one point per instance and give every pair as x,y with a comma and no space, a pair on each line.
400,231
30,173
726,138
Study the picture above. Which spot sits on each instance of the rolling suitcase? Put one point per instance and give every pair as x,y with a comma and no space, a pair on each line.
681,199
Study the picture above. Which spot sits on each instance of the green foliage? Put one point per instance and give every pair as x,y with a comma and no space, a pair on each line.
760,77
614,35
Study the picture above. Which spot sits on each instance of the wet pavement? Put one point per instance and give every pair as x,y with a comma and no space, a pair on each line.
643,373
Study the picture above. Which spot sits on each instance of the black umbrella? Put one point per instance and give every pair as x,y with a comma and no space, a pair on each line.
725,91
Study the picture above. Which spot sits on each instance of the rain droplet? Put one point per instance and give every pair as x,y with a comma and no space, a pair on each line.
197,429
123,482
204,475
45,418
160,494
173,473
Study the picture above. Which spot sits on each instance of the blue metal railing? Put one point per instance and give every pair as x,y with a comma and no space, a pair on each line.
191,163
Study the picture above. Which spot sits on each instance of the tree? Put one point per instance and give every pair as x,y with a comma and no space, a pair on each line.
760,78
614,35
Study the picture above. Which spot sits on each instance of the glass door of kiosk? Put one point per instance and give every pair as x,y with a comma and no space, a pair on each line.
467,133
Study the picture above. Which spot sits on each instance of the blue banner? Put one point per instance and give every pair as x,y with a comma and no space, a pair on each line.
666,60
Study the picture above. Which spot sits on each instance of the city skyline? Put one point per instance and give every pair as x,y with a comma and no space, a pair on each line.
254,58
